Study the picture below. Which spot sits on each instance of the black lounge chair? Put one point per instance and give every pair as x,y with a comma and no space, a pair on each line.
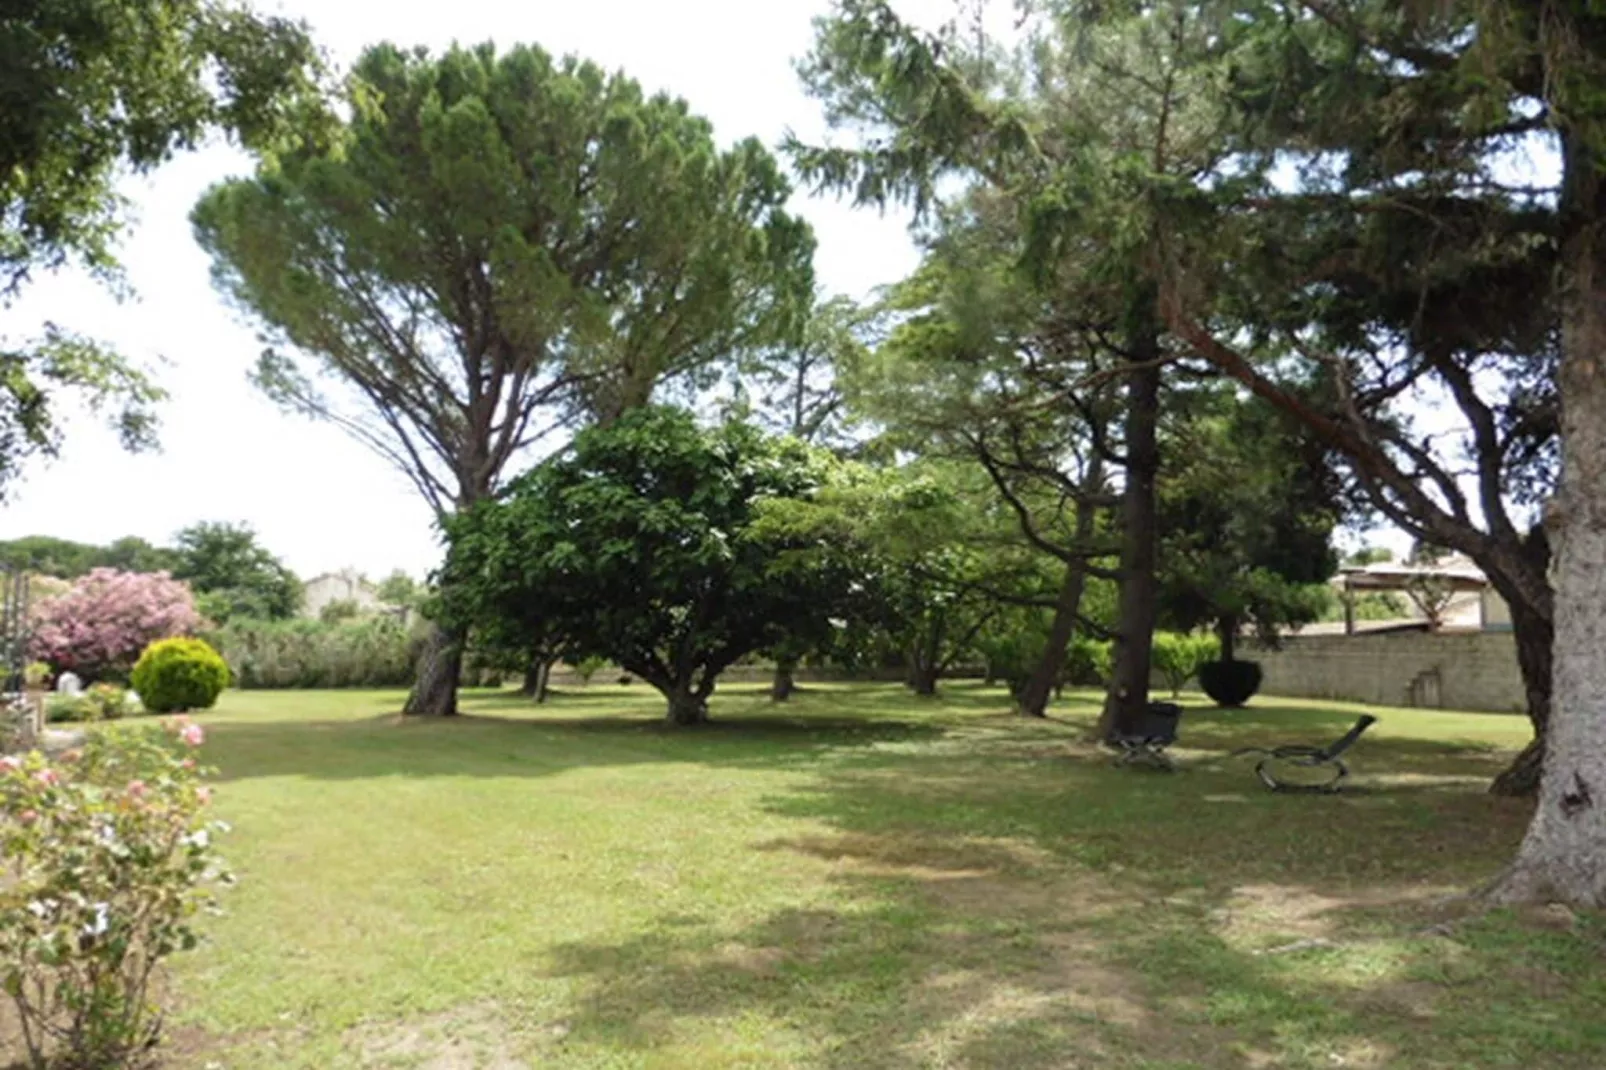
1145,745
1300,756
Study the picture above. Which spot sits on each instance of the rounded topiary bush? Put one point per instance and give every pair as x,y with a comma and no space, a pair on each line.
179,674
1230,683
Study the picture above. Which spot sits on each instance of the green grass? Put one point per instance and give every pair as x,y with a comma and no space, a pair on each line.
864,879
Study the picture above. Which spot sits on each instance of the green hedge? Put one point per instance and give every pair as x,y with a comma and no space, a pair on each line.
377,652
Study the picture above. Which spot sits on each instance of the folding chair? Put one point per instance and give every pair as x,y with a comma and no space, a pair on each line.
1145,744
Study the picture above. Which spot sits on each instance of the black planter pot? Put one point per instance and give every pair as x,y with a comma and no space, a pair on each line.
1230,683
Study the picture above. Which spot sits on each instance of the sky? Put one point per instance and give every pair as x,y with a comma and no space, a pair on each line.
318,499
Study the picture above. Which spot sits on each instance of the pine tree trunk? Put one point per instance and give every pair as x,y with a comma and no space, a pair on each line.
440,666
1563,855
1035,695
1534,636
1129,678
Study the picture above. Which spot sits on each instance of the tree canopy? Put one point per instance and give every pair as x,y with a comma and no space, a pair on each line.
88,91
233,575
650,542
494,243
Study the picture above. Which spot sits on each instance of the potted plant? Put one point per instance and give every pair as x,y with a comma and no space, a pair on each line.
35,681
35,677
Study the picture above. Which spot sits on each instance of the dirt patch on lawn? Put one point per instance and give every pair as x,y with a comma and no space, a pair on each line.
467,1038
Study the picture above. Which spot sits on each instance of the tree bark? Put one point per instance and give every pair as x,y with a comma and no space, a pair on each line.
1035,695
1534,636
1129,679
440,666
687,706
1227,631
1563,855
537,676
923,680
925,659
783,685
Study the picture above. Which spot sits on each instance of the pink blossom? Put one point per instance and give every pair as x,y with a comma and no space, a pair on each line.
187,763
136,788
192,735
28,817
10,763
203,793
108,617
48,777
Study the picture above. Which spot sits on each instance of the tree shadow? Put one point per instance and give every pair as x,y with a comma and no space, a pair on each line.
1000,908
507,735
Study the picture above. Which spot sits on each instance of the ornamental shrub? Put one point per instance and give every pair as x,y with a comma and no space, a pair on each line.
110,701
1177,657
1230,683
102,623
101,702
180,674
107,855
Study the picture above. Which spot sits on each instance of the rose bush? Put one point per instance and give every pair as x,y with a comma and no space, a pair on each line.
108,855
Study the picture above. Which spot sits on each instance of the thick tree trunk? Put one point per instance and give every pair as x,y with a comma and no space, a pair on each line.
687,707
537,677
1129,679
782,686
440,665
923,680
1563,856
1035,695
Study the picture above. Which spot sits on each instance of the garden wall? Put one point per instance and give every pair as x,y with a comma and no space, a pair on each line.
1454,670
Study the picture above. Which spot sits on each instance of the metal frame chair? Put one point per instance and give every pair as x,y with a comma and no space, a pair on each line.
1307,757
1145,746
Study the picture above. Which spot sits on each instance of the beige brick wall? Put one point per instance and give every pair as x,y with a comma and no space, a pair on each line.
1457,671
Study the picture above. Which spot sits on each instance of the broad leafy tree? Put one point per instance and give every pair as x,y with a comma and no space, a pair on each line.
88,90
234,576
493,243
649,542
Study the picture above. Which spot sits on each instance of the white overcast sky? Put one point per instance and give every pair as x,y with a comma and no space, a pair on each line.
318,499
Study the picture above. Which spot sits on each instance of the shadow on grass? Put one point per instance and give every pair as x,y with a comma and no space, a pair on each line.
507,735
1022,912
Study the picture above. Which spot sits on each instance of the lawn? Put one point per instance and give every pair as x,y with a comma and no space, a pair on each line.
864,879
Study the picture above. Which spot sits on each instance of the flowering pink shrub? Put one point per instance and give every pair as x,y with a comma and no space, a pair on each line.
105,857
100,626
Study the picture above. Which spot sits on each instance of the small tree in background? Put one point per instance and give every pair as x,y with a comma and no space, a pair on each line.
99,627
233,575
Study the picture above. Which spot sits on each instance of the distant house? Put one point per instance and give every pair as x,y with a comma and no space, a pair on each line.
347,585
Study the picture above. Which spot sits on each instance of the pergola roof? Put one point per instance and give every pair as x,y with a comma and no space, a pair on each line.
1390,576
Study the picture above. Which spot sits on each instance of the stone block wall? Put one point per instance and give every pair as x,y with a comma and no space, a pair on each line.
1447,670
